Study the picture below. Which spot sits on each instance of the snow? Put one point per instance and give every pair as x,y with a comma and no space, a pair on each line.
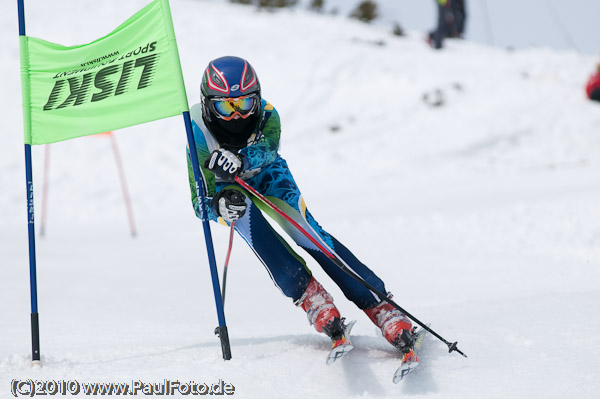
480,215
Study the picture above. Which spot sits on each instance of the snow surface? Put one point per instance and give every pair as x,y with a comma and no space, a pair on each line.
481,216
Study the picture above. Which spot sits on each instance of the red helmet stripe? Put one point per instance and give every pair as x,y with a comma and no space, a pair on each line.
244,74
213,85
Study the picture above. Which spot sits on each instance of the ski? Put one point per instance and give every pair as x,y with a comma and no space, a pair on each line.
410,360
341,346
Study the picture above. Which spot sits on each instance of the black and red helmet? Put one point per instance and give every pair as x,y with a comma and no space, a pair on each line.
229,77
231,100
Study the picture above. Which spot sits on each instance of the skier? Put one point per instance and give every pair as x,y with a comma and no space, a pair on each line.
446,25
459,11
237,134
593,86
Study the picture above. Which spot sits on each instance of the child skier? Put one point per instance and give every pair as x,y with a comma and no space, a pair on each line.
237,134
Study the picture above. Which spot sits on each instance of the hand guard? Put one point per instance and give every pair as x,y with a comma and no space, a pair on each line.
224,164
230,204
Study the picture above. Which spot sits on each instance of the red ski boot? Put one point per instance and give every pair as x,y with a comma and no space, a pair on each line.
395,326
320,310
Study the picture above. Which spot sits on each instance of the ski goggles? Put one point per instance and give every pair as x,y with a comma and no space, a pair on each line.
227,108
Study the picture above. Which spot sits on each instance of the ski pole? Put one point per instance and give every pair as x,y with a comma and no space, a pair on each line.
452,346
227,260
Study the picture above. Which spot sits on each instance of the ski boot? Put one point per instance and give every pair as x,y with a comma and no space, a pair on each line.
395,326
324,315
320,310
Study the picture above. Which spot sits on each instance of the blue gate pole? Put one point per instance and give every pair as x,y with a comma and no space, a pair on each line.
35,326
221,331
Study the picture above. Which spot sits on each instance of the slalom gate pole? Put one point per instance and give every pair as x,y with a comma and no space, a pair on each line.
452,346
226,267
221,330
35,326
126,196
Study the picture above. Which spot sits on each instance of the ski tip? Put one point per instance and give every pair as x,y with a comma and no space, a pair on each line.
349,326
338,352
404,370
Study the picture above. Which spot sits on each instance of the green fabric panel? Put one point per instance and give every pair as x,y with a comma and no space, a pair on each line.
130,76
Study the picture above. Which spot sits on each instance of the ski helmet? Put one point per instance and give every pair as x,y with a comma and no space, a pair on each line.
230,100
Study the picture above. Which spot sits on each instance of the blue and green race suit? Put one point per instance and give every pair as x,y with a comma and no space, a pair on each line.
267,172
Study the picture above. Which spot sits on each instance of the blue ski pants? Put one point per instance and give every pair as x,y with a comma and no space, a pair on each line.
287,269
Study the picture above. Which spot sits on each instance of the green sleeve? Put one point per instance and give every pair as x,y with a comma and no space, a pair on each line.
209,181
264,151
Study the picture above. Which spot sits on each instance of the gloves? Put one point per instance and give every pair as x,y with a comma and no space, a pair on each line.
230,204
224,164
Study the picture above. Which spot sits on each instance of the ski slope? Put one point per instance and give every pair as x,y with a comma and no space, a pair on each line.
480,215
505,23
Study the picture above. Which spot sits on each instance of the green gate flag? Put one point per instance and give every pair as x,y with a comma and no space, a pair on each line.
128,77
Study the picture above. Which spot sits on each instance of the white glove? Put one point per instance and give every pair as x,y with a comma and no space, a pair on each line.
230,204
